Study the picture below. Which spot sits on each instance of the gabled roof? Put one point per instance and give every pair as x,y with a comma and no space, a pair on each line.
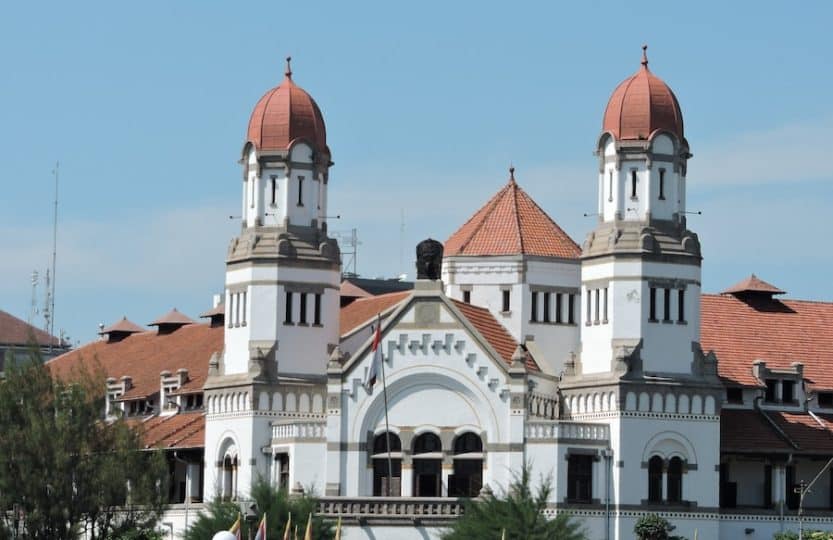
494,333
14,331
753,284
741,330
511,223
364,310
143,356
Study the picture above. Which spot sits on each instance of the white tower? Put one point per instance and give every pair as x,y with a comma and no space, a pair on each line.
640,313
282,286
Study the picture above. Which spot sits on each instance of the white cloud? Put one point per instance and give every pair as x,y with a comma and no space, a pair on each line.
790,153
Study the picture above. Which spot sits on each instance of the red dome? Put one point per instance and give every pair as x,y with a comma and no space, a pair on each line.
285,114
642,104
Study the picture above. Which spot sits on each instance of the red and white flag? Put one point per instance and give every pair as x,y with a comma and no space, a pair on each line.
261,529
376,362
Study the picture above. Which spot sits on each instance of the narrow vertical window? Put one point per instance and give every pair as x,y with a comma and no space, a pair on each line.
317,314
506,298
597,302
652,305
675,480
288,316
533,316
302,300
610,185
662,183
274,181
604,313
546,307
588,300
558,308
571,309
300,191
666,305
681,305
633,183
655,467
467,297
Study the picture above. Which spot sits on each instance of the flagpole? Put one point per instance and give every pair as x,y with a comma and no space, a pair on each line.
387,425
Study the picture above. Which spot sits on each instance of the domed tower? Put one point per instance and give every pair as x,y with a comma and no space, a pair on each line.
282,290
283,270
641,264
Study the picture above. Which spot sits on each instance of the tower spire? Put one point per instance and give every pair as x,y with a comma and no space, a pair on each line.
645,56
511,174
288,70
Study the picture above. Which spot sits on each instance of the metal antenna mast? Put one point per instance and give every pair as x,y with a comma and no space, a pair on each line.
33,309
54,257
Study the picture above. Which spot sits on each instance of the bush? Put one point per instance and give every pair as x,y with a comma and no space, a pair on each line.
653,527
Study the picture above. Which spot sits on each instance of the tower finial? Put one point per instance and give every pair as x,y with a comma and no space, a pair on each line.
288,71
645,56
511,173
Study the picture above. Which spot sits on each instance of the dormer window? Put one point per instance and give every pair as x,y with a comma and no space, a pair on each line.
788,391
825,399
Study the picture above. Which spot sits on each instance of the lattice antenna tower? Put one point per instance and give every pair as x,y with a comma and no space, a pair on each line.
349,243
33,308
49,308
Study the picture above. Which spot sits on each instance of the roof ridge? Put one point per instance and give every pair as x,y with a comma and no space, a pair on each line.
486,211
529,198
515,189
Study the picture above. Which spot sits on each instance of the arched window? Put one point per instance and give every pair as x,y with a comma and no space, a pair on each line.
427,466
467,478
675,480
385,483
655,479
229,487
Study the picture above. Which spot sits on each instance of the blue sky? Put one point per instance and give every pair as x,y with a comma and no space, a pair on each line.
426,103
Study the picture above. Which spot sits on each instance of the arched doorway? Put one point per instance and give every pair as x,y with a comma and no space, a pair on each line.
381,459
427,457
468,466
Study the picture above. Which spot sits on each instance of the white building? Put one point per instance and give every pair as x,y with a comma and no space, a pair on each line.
604,366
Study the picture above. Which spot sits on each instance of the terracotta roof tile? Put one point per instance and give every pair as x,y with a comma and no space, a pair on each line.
219,309
352,291
364,309
511,223
802,429
778,332
182,430
749,431
144,355
493,332
14,331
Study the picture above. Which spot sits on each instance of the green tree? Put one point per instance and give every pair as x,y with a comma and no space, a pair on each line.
519,512
808,535
64,469
653,527
277,504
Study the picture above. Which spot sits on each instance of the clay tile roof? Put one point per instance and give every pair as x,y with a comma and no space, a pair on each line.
494,333
511,223
804,431
753,284
749,431
352,291
14,331
641,105
173,317
285,114
364,310
182,430
219,309
779,332
123,326
142,356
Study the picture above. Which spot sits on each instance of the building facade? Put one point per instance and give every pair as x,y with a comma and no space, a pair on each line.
603,366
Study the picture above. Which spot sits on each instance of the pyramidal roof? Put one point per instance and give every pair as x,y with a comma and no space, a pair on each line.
511,223
753,284
173,317
124,326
